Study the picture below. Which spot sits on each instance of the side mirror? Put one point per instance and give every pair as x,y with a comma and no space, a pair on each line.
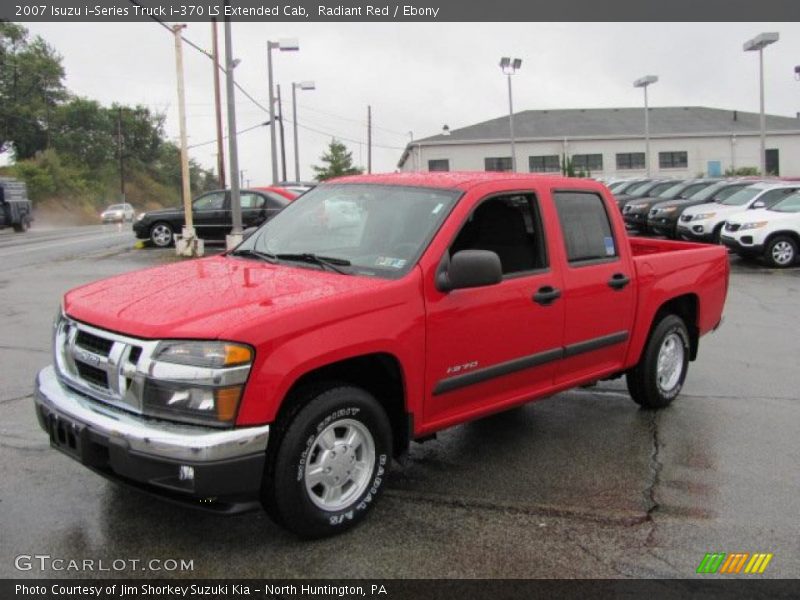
469,269
758,204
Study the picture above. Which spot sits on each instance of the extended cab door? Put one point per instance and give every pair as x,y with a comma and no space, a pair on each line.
492,346
598,286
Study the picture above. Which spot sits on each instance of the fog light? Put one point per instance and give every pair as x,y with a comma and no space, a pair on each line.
186,473
697,229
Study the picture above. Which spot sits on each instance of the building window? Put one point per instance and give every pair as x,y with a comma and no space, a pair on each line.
587,162
544,164
502,163
439,164
630,160
673,160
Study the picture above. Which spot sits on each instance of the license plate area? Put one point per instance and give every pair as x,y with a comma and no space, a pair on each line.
66,436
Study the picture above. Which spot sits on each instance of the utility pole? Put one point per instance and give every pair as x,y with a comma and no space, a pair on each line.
235,236
187,243
217,105
369,139
283,137
120,146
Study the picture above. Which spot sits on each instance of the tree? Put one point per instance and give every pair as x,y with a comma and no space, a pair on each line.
31,86
338,161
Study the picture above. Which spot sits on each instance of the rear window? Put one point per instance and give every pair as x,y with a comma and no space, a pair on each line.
586,226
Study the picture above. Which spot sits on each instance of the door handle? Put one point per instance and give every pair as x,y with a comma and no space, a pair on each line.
618,281
546,295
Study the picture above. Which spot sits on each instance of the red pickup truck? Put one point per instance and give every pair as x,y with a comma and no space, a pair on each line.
372,311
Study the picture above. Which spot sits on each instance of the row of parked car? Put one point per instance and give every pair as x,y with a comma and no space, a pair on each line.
754,217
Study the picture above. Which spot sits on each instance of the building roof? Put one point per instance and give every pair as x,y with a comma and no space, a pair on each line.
615,122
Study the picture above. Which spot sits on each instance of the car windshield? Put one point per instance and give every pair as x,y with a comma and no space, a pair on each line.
639,189
790,204
741,197
363,229
116,207
708,192
673,192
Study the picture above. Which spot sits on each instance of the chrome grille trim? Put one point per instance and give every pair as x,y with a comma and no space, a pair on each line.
125,381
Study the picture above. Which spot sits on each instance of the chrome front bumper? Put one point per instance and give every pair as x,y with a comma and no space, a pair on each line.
154,437
182,462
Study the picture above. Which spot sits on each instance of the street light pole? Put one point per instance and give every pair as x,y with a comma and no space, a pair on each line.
303,85
510,67
643,83
233,150
284,46
758,43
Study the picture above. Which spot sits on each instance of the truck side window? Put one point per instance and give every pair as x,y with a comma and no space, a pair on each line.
509,226
586,226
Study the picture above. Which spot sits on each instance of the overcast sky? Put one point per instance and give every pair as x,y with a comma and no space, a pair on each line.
418,77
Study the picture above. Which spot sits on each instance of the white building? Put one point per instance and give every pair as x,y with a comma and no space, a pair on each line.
684,142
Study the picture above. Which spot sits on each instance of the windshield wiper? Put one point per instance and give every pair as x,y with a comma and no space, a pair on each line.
323,261
254,253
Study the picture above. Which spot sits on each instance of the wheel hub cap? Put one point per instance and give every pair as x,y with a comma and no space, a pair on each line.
669,365
782,253
340,464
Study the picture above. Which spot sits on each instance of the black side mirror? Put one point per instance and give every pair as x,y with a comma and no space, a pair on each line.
758,204
469,269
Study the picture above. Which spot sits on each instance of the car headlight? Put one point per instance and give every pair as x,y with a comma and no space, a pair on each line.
141,216
753,225
702,216
197,381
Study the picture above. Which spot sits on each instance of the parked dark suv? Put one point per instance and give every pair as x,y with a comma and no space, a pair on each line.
15,208
211,214
636,211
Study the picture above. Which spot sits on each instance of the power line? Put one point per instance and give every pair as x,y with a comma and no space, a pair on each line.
238,133
204,53
261,106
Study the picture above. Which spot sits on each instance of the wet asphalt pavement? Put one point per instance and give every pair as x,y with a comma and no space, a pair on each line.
583,484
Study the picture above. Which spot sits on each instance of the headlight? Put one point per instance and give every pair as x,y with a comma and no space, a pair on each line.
141,216
639,206
669,209
702,216
213,355
753,225
197,381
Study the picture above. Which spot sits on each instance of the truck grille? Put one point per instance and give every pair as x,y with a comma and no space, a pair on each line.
732,226
102,364
94,343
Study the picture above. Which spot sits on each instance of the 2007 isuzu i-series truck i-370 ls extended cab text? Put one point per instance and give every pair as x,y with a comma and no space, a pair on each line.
372,311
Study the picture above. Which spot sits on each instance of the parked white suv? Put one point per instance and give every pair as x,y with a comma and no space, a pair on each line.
703,222
773,233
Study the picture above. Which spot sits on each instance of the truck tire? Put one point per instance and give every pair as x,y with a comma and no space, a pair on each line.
781,252
161,234
22,226
330,462
659,376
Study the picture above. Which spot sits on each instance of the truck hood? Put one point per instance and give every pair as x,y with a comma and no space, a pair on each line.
204,298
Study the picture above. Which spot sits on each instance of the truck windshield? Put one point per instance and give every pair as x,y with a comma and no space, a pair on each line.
363,229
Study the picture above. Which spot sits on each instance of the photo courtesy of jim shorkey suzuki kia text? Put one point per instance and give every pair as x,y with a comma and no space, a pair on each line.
191,590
